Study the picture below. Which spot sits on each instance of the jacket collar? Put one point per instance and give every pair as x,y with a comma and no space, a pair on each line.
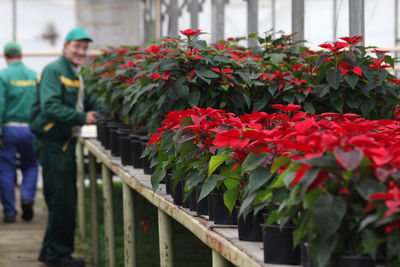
16,64
69,66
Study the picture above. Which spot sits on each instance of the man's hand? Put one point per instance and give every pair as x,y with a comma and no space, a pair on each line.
90,117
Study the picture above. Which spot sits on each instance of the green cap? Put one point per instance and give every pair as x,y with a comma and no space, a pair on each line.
78,33
12,45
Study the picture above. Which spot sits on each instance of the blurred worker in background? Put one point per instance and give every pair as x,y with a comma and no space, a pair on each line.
17,89
60,107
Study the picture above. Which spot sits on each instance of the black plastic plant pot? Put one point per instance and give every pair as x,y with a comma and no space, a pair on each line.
210,204
125,149
193,200
100,123
177,194
103,131
107,133
136,147
202,205
168,183
353,261
185,202
98,129
114,139
249,227
278,245
114,143
147,169
221,212
306,257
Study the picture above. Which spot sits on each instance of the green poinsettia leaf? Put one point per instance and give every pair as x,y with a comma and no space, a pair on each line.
321,90
273,88
252,161
279,162
209,185
156,177
277,58
216,161
334,78
328,211
323,249
230,197
309,107
352,80
194,98
258,178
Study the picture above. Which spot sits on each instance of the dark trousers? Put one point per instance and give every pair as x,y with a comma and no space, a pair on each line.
15,140
59,189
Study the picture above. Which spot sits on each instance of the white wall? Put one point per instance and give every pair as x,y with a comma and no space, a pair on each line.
32,19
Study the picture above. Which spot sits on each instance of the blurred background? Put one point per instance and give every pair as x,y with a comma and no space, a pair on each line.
41,25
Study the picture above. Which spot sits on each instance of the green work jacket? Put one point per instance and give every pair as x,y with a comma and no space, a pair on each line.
17,88
54,109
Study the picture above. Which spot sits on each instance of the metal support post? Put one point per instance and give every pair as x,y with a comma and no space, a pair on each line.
14,20
129,226
165,239
298,19
252,21
356,19
396,30
194,14
173,18
219,261
217,20
158,19
335,14
273,15
94,223
80,166
109,216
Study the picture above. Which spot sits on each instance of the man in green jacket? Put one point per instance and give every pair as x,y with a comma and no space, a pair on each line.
59,108
17,88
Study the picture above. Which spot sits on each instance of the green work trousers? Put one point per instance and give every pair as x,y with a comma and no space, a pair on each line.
59,189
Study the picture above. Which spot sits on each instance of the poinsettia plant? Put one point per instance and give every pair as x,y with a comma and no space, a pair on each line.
184,143
336,166
312,170
174,74
103,81
343,77
385,213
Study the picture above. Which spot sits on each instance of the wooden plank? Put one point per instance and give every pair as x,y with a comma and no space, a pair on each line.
165,239
109,216
94,223
218,260
80,169
205,230
129,226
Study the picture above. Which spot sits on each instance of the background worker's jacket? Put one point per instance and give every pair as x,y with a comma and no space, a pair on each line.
17,88
54,110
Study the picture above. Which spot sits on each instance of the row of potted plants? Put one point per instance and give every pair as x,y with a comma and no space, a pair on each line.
295,165
334,176
140,86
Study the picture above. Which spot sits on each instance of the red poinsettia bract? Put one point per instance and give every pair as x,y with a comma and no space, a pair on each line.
190,32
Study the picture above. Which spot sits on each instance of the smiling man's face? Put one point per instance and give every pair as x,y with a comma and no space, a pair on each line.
75,51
